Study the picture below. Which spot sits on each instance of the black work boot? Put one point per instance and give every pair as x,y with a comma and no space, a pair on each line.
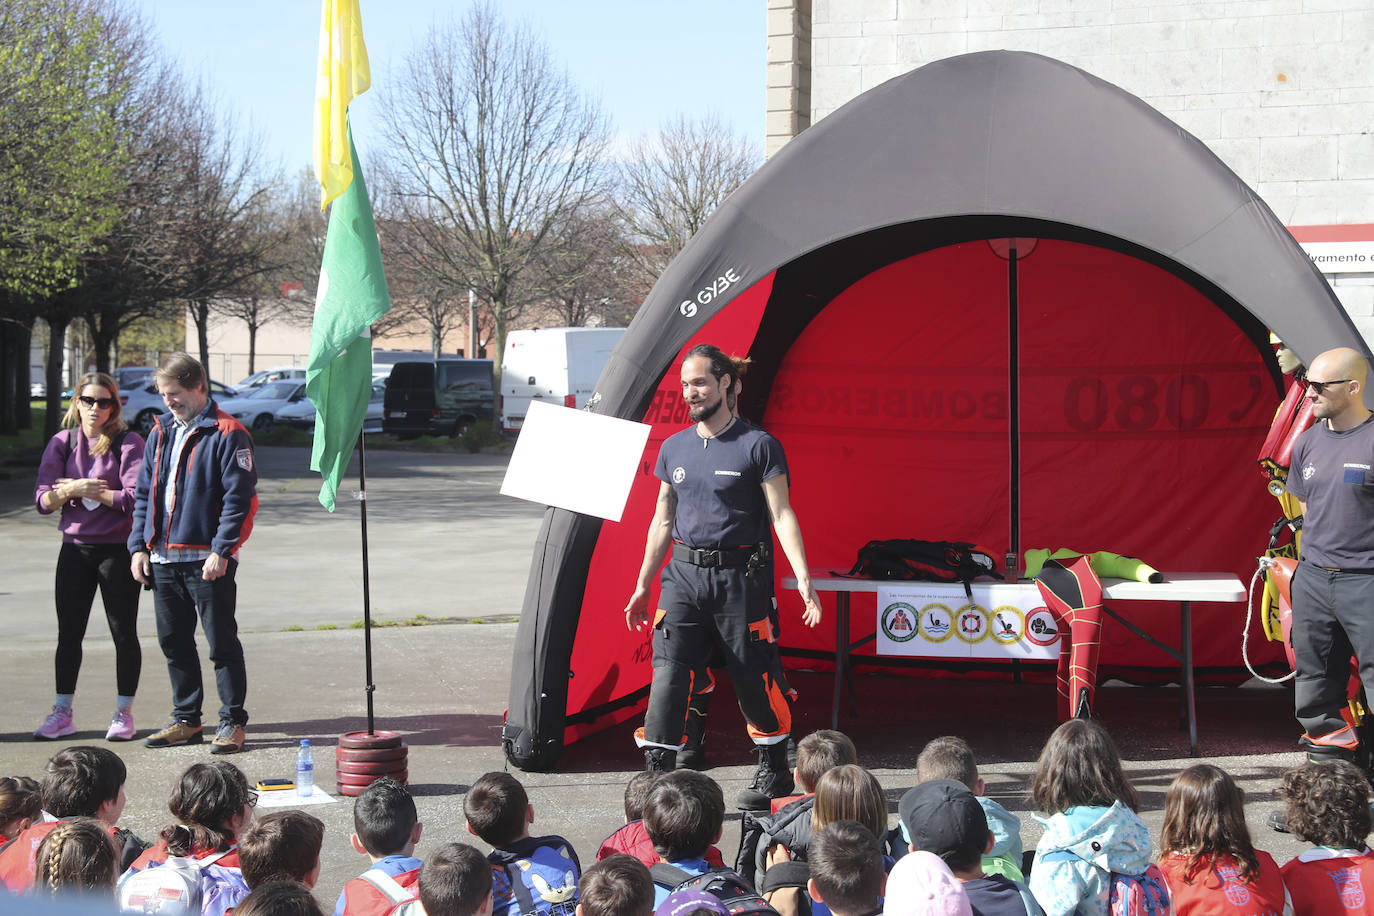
771,780
693,753
1325,753
660,759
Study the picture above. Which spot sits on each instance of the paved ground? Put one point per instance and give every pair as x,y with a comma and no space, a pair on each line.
444,543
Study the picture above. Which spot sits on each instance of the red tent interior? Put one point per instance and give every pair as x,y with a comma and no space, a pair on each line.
1143,405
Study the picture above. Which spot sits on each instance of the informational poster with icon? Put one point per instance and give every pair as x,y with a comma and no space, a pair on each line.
937,620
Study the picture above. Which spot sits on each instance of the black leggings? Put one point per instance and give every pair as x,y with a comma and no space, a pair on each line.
80,569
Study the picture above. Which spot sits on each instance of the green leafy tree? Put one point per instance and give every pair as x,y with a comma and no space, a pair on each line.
59,163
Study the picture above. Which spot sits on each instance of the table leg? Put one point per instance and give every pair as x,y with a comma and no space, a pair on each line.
841,653
1189,691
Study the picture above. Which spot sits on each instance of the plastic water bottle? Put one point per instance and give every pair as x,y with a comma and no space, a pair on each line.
305,770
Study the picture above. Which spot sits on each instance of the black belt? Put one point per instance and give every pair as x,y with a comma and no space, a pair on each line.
707,557
1362,571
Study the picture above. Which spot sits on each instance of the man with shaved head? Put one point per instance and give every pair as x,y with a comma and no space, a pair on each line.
1332,475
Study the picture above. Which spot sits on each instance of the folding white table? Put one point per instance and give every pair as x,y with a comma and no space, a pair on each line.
1183,588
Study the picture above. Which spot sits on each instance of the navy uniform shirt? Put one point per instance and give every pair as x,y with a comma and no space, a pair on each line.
1331,473
719,484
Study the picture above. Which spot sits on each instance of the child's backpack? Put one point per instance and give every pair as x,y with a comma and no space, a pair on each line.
542,881
725,884
1140,895
170,888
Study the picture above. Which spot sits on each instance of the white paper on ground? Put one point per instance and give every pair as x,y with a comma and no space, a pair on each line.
575,460
290,798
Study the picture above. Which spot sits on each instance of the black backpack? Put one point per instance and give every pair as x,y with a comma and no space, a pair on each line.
939,561
725,884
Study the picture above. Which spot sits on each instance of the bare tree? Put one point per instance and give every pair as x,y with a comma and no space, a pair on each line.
492,149
671,183
269,295
586,280
218,191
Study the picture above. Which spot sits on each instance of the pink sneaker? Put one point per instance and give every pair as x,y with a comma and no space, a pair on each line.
58,724
121,726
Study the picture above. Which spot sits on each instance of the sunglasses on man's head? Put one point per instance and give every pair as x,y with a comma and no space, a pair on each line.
102,403
1320,387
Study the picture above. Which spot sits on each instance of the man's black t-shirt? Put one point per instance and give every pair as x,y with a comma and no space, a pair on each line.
718,483
1331,472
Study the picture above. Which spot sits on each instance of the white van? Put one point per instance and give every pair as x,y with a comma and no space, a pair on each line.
560,365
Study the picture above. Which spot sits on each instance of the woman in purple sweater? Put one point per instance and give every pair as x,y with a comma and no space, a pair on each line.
89,470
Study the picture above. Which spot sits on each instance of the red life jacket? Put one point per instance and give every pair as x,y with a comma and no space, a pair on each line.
633,840
158,853
363,898
1218,890
1328,887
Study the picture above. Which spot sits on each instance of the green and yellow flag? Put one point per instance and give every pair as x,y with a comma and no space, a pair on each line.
343,75
352,290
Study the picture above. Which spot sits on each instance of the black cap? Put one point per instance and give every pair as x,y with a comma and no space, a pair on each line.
943,817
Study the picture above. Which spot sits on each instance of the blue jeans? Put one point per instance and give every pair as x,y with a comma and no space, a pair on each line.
179,594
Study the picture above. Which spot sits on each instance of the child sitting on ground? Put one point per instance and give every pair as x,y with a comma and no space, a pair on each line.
847,873
1205,849
456,880
77,859
684,815
790,824
282,846
943,817
845,792
1328,804
618,885
529,874
21,803
81,781
1091,825
279,898
632,838
951,757
922,885
212,805
386,828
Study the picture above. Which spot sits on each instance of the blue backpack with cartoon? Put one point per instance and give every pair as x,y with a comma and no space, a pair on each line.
539,878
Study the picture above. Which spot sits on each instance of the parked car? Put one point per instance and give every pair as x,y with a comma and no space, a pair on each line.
263,376
257,409
133,376
143,405
38,390
301,415
439,397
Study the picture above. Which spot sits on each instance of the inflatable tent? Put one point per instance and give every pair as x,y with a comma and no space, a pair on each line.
995,299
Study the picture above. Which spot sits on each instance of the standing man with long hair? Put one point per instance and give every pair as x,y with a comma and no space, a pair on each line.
88,471
724,482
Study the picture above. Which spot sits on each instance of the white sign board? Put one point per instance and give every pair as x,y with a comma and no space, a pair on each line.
937,620
1341,257
575,460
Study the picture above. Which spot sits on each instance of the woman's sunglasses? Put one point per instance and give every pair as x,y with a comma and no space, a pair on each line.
102,403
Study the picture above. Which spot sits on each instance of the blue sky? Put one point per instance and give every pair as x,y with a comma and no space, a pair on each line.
647,60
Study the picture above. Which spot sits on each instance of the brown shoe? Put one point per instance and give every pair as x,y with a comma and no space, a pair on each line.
228,739
175,732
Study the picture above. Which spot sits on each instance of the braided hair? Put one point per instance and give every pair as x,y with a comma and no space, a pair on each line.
76,857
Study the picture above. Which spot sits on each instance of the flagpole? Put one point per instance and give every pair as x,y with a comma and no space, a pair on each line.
367,587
